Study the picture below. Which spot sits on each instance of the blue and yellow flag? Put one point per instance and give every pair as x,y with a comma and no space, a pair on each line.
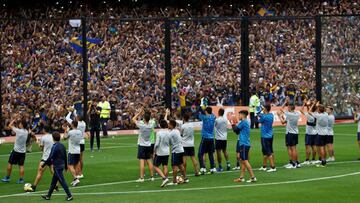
76,43
264,11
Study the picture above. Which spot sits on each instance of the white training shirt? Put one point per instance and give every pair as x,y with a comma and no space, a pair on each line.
82,128
46,142
221,128
331,121
144,133
358,123
187,132
322,120
20,139
176,141
310,130
292,119
74,137
162,143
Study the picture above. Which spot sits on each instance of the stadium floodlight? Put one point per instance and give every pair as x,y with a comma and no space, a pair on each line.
75,22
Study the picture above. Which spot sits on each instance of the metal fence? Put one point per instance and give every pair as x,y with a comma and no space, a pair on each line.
174,62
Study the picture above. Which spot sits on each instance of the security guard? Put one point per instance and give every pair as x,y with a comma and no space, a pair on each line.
253,104
104,114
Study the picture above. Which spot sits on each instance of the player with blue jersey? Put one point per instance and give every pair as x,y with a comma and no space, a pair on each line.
266,120
243,146
207,140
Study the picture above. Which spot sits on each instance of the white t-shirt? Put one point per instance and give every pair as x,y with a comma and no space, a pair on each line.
310,130
292,119
221,128
162,143
331,123
322,121
358,123
144,133
176,141
187,132
74,137
20,139
46,142
82,128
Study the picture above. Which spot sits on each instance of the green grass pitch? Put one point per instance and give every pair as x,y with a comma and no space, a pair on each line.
110,175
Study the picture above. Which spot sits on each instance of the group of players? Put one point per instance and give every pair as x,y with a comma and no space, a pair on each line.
176,138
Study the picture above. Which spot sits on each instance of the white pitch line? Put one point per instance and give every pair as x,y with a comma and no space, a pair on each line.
211,188
134,181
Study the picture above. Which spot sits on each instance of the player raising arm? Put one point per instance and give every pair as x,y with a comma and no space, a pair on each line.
242,129
187,133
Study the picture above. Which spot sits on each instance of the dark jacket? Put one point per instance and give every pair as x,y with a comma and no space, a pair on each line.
57,156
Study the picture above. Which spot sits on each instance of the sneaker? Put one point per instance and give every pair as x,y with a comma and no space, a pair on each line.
298,165
197,174
219,169
262,169
228,167
320,166
140,180
31,189
271,170
330,159
80,176
186,180
287,165
152,179
45,197
69,198
239,180
290,166
203,171
165,182
236,168
20,181
213,170
306,163
6,179
252,180
317,162
172,184
75,182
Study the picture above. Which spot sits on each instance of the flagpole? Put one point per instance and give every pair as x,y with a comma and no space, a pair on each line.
85,68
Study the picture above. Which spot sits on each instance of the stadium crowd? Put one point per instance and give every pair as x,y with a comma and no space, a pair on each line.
42,75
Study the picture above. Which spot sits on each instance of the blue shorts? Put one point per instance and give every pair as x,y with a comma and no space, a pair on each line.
17,158
220,144
161,160
329,139
73,159
144,152
267,146
177,159
320,140
291,139
310,140
244,152
206,146
358,136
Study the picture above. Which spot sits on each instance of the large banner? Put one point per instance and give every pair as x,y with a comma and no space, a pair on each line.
231,110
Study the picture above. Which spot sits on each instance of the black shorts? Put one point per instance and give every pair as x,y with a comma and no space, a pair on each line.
310,140
244,152
73,159
177,159
206,146
17,158
189,151
329,139
220,144
82,147
291,139
161,160
152,149
320,140
358,136
267,146
144,152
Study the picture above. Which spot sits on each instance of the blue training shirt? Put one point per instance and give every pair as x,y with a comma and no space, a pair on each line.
207,131
266,121
244,135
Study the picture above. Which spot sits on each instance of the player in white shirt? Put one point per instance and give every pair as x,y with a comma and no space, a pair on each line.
221,124
144,143
357,120
162,152
330,135
46,142
322,120
187,133
292,134
310,135
17,156
74,137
